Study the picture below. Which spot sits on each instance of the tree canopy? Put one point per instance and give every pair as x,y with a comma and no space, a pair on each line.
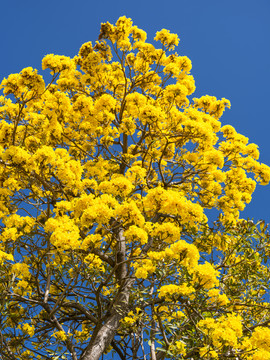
108,175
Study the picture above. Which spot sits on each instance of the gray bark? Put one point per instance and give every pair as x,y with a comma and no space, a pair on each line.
103,339
104,334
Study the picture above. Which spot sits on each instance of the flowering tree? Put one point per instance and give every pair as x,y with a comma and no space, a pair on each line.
107,176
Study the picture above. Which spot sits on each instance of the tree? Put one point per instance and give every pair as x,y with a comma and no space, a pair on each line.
108,174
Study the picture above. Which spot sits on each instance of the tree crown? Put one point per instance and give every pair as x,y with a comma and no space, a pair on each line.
107,173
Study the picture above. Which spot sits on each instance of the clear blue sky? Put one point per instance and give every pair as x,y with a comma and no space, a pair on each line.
227,41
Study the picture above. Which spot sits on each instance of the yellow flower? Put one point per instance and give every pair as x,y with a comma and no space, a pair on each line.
173,291
4,256
167,39
28,329
261,338
206,275
60,335
134,233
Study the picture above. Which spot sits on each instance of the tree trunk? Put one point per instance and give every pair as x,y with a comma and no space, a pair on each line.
103,335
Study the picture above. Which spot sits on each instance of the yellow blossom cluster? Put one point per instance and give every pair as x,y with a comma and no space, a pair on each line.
23,288
187,254
133,318
28,329
174,291
260,340
227,330
4,256
216,297
27,83
21,270
94,263
135,233
117,185
167,39
61,335
144,268
173,203
206,275
178,348
65,234
57,63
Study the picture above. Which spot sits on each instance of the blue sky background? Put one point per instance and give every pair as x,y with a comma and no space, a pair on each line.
228,43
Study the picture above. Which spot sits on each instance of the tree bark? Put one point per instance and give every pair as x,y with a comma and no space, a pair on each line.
104,334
